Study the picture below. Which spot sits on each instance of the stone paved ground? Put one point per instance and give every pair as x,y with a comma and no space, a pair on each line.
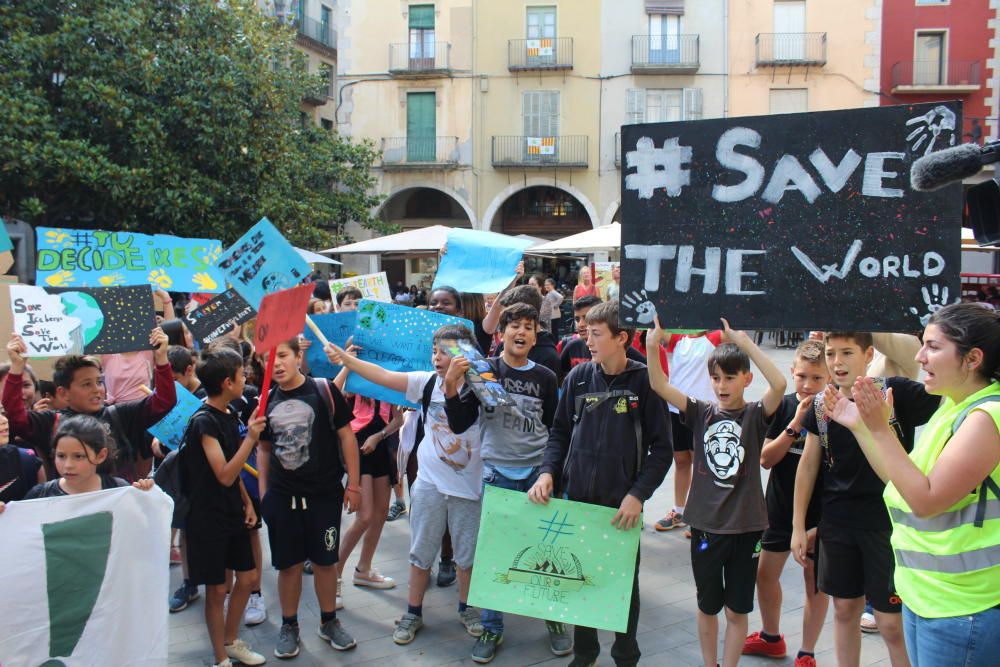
667,625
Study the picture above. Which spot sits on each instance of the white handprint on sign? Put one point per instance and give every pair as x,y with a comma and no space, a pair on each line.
934,300
938,123
639,301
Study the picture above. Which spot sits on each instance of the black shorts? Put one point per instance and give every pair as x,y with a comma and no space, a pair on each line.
255,501
725,570
776,540
380,463
852,563
210,552
683,438
302,527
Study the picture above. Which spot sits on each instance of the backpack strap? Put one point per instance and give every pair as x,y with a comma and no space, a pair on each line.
323,388
988,483
425,397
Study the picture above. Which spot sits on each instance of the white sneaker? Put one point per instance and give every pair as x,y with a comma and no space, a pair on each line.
340,594
256,611
241,652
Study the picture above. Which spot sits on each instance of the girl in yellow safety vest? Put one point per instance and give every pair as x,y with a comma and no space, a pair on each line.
944,497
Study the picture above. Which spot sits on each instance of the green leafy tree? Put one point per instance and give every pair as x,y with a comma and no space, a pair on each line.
168,116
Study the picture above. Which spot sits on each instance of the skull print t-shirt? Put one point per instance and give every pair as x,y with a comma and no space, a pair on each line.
726,495
305,450
453,463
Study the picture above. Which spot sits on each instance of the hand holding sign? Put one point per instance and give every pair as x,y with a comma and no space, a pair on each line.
281,317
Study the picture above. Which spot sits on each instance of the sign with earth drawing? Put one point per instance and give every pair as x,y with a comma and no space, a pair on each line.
562,562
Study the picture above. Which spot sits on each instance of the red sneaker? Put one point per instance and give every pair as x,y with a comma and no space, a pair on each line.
756,645
805,661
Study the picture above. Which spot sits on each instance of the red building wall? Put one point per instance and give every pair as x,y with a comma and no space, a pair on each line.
969,34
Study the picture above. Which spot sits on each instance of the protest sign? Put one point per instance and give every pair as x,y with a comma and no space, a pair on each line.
480,262
261,262
374,286
480,376
337,327
73,569
218,316
603,277
95,258
397,338
170,429
563,562
281,317
99,320
794,221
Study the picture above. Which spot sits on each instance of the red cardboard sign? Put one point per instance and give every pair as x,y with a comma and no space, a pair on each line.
281,317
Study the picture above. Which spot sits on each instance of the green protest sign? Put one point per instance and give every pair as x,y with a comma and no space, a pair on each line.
562,562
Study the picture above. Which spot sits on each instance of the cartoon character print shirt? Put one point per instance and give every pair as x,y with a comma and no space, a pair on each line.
726,495
453,463
305,451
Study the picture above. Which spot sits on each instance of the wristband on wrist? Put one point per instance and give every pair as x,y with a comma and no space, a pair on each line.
355,489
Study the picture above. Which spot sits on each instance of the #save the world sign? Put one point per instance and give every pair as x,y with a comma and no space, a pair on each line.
795,221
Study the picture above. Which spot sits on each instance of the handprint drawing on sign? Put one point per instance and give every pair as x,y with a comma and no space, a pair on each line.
204,281
934,300
644,309
937,124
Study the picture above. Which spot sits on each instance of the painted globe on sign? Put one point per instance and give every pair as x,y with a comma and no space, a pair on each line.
85,308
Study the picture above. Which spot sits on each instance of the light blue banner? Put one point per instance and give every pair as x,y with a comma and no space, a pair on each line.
5,242
397,338
480,262
261,262
96,258
337,327
170,429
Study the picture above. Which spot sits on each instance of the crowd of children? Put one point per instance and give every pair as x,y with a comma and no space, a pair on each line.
597,417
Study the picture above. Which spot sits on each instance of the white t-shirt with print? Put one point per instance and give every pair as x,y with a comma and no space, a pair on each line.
450,462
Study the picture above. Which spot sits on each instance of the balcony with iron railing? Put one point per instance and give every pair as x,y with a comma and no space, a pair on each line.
317,93
560,151
420,152
419,59
555,53
933,76
316,33
665,54
791,48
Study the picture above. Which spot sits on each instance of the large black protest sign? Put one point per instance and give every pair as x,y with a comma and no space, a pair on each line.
792,221
218,316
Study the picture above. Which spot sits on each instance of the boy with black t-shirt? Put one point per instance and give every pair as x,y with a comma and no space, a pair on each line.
624,429
217,526
725,506
302,495
513,438
854,556
780,454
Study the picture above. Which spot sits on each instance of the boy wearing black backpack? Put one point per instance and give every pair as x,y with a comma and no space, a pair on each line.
304,451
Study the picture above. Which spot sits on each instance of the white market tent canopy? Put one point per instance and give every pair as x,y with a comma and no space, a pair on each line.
315,258
606,237
425,239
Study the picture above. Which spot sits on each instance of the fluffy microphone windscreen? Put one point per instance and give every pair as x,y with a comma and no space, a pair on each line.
946,167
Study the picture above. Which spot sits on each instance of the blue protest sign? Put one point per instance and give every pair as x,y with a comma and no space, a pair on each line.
5,242
337,327
397,338
95,258
170,429
255,275
480,262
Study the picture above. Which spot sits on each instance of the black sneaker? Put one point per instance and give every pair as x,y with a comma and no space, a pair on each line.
446,573
486,647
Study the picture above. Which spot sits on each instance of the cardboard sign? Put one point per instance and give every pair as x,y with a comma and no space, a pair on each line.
72,567
170,430
563,561
218,316
337,327
262,262
480,375
95,258
397,338
99,320
796,221
603,277
374,286
281,317
480,262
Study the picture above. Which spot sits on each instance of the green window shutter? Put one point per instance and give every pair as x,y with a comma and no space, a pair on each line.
421,17
421,127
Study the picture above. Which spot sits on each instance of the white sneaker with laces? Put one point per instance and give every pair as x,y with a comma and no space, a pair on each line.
240,651
225,663
256,611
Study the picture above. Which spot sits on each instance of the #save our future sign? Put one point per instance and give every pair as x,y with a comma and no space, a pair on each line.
794,221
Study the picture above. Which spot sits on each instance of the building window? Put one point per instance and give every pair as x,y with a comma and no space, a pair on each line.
789,100
326,18
422,36
928,58
326,124
664,38
421,127
326,72
789,29
661,105
541,34
540,110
